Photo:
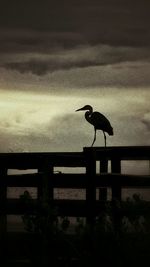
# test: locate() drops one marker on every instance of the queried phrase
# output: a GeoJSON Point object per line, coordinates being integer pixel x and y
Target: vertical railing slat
{"type": "Point", "coordinates": [116, 188]}
{"type": "Point", "coordinates": [45, 187]}
{"type": "Point", "coordinates": [116, 194]}
{"type": "Point", "coordinates": [91, 186]}
{"type": "Point", "coordinates": [103, 169]}
{"type": "Point", "coordinates": [45, 195]}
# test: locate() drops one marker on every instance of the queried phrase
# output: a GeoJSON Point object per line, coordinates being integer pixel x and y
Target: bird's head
{"type": "Point", "coordinates": [86, 107]}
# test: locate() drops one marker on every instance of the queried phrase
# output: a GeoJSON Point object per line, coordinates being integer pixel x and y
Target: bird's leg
{"type": "Point", "coordinates": [94, 137]}
{"type": "Point", "coordinates": [104, 137]}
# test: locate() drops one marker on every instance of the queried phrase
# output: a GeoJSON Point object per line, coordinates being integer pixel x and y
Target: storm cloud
{"type": "Point", "coordinates": [42, 37]}
{"type": "Point", "coordinates": [115, 22]}
{"type": "Point", "coordinates": [79, 57]}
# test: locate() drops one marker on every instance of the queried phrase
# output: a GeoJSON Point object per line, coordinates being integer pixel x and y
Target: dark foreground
{"type": "Point", "coordinates": [85, 248]}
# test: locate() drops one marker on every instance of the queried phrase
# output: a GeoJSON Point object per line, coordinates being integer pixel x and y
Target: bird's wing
{"type": "Point", "coordinates": [99, 121]}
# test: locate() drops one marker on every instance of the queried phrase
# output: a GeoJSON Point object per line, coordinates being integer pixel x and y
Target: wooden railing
{"type": "Point", "coordinates": [46, 179]}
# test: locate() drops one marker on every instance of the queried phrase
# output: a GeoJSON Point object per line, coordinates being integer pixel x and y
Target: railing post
{"type": "Point", "coordinates": [116, 194]}
{"type": "Point", "coordinates": [116, 188]}
{"type": "Point", "coordinates": [90, 188]}
{"type": "Point", "coordinates": [45, 195]}
{"type": "Point", "coordinates": [103, 169]}
{"type": "Point", "coordinates": [45, 187]}
{"type": "Point", "coordinates": [3, 214]}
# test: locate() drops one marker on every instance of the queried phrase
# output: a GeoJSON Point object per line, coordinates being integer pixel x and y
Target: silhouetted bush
{"type": "Point", "coordinates": [102, 244]}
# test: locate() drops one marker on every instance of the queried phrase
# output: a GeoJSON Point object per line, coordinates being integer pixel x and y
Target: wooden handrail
{"type": "Point", "coordinates": [45, 180]}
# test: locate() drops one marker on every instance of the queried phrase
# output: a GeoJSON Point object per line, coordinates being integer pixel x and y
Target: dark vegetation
{"type": "Point", "coordinates": [122, 242]}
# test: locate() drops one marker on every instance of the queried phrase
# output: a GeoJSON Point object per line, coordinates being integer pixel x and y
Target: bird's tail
{"type": "Point", "coordinates": [111, 132]}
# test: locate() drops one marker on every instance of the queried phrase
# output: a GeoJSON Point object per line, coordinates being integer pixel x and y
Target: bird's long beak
{"type": "Point", "coordinates": [79, 109]}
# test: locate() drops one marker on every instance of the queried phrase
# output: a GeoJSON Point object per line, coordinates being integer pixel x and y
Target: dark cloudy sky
{"type": "Point", "coordinates": [56, 56]}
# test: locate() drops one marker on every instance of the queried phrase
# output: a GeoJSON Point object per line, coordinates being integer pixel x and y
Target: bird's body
{"type": "Point", "coordinates": [98, 120]}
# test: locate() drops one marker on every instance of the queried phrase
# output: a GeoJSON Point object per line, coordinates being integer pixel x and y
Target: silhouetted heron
{"type": "Point", "coordinates": [98, 120]}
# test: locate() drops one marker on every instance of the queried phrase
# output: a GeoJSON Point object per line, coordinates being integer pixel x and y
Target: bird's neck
{"type": "Point", "coordinates": [88, 115]}
{"type": "Point", "coordinates": [90, 110]}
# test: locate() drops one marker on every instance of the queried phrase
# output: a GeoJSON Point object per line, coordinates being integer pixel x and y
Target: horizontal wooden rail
{"type": "Point", "coordinates": [36, 160]}
{"type": "Point", "coordinates": [123, 153]}
{"type": "Point", "coordinates": [73, 180]}
{"type": "Point", "coordinates": [29, 160]}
